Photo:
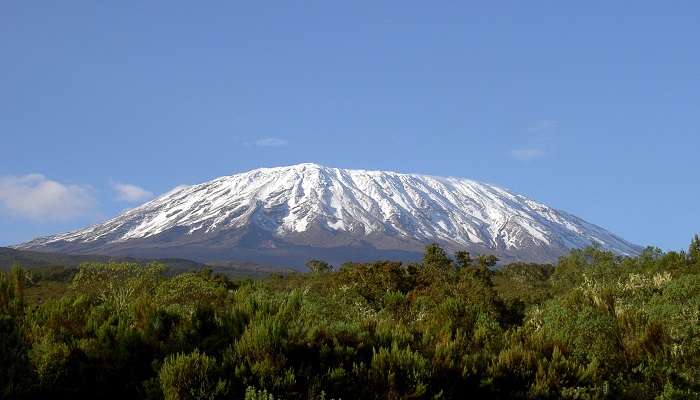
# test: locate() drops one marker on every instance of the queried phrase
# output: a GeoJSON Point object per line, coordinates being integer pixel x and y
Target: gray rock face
{"type": "Point", "coordinates": [287, 215]}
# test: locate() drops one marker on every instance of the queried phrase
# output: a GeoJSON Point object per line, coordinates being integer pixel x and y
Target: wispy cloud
{"type": "Point", "coordinates": [268, 142]}
{"type": "Point", "coordinates": [130, 193]}
{"type": "Point", "coordinates": [544, 125]}
{"type": "Point", "coordinates": [539, 142]}
{"type": "Point", "coordinates": [35, 197]}
{"type": "Point", "coordinates": [527, 153]}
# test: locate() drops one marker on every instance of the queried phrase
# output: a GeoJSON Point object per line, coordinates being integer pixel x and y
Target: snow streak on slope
{"type": "Point", "coordinates": [288, 201]}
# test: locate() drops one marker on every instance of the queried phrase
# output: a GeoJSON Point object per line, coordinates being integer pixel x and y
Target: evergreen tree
{"type": "Point", "coordinates": [463, 259]}
{"type": "Point", "coordinates": [435, 256]}
{"type": "Point", "coordinates": [487, 260]}
{"type": "Point", "coordinates": [12, 291]}
{"type": "Point", "coordinates": [694, 250]}
{"type": "Point", "coordinates": [318, 266]}
{"type": "Point", "coordinates": [18, 277]}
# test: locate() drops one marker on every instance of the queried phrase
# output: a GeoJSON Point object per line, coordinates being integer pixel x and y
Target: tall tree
{"type": "Point", "coordinates": [435, 256]}
{"type": "Point", "coordinates": [487, 260]}
{"type": "Point", "coordinates": [18, 277]}
{"type": "Point", "coordinates": [318, 266]}
{"type": "Point", "coordinates": [694, 250]}
{"type": "Point", "coordinates": [463, 259]}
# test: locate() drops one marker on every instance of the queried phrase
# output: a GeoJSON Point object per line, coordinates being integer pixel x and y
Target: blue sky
{"type": "Point", "coordinates": [590, 107]}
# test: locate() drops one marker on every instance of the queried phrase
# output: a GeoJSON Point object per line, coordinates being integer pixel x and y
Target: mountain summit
{"type": "Point", "coordinates": [287, 215]}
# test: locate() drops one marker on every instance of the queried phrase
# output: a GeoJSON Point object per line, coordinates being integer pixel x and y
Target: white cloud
{"type": "Point", "coordinates": [527, 153]}
{"type": "Point", "coordinates": [130, 193]}
{"type": "Point", "coordinates": [543, 125]}
{"type": "Point", "coordinates": [36, 197]}
{"type": "Point", "coordinates": [269, 142]}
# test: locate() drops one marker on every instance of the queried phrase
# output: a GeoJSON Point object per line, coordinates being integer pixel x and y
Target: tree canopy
{"type": "Point", "coordinates": [594, 325]}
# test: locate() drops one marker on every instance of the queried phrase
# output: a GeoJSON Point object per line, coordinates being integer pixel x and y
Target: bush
{"type": "Point", "coordinates": [191, 376]}
{"type": "Point", "coordinates": [399, 372]}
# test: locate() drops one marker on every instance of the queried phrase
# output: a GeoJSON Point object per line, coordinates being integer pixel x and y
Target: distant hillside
{"type": "Point", "coordinates": [35, 259]}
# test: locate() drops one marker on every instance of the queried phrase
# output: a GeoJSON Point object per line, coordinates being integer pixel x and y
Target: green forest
{"type": "Point", "coordinates": [593, 326]}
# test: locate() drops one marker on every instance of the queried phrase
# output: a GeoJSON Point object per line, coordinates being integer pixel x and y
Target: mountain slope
{"type": "Point", "coordinates": [34, 259]}
{"type": "Point", "coordinates": [288, 214]}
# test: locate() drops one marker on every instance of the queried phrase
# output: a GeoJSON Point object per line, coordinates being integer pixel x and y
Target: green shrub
{"type": "Point", "coordinates": [191, 376]}
{"type": "Point", "coordinates": [253, 394]}
{"type": "Point", "coordinates": [399, 372]}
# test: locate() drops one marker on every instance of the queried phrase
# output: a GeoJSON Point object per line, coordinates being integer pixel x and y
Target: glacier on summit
{"type": "Point", "coordinates": [307, 210]}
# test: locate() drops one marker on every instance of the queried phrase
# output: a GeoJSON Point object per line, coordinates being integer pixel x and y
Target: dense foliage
{"type": "Point", "coordinates": [594, 326]}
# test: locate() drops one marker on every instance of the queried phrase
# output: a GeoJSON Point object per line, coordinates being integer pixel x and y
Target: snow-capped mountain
{"type": "Point", "coordinates": [286, 215]}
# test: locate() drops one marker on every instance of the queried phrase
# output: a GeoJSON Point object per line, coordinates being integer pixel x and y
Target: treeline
{"type": "Point", "coordinates": [594, 326]}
